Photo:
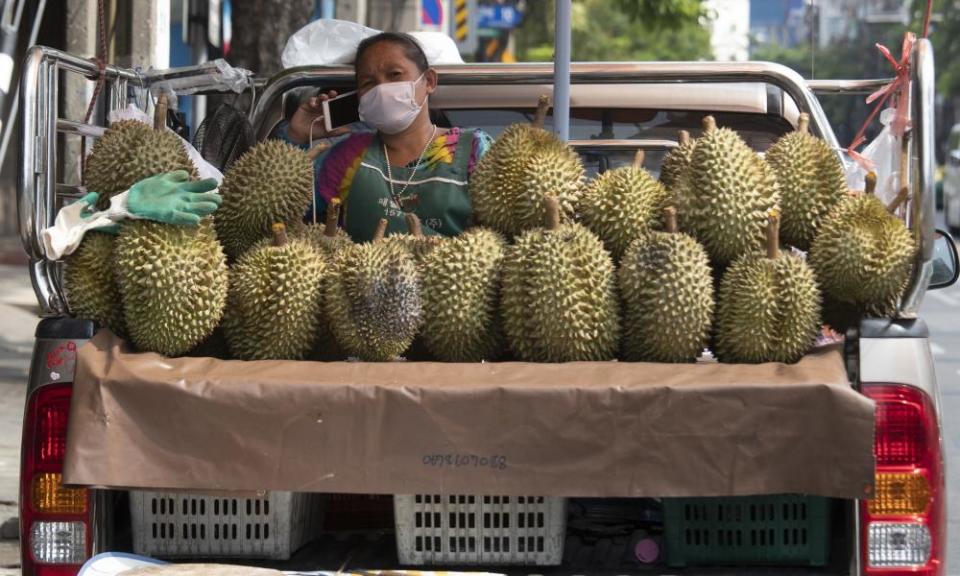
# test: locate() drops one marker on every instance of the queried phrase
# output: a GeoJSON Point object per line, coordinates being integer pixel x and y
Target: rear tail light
{"type": "Point", "coordinates": [55, 520]}
{"type": "Point", "coordinates": [903, 526]}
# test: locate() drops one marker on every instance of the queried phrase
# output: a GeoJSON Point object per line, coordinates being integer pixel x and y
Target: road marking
{"type": "Point", "coordinates": [946, 299]}
{"type": "Point", "coordinates": [936, 349]}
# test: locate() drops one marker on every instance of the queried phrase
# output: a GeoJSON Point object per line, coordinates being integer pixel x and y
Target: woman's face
{"type": "Point", "coordinates": [386, 62]}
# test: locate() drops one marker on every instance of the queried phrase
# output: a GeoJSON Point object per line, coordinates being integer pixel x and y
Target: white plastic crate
{"type": "Point", "coordinates": [184, 525]}
{"type": "Point", "coordinates": [488, 530]}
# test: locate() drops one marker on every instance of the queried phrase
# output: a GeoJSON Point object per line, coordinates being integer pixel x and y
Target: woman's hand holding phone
{"type": "Point", "coordinates": [308, 118]}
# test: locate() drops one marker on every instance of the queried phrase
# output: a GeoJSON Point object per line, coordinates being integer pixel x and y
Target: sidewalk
{"type": "Point", "coordinates": [18, 318]}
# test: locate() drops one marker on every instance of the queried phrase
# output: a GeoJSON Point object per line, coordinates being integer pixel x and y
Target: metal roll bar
{"type": "Point", "coordinates": [920, 216]}
{"type": "Point", "coordinates": [582, 73]}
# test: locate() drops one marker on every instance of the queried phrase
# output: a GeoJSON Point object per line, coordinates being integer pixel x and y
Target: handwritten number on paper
{"type": "Point", "coordinates": [495, 462]}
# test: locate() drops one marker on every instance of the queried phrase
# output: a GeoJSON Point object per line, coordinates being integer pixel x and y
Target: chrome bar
{"type": "Point", "coordinates": [79, 128]}
{"type": "Point", "coordinates": [847, 86]}
{"type": "Point", "coordinates": [30, 80]}
{"type": "Point", "coordinates": [920, 217]}
{"type": "Point", "coordinates": [626, 144]}
{"type": "Point", "coordinates": [581, 73]}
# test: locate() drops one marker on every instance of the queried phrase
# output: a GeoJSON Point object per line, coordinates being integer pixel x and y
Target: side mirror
{"type": "Point", "coordinates": [946, 263]}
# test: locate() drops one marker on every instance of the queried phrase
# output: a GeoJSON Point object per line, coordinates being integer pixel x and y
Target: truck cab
{"type": "Point", "coordinates": [616, 109]}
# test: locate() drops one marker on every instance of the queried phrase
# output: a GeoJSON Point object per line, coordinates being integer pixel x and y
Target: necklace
{"type": "Point", "coordinates": [386, 155]}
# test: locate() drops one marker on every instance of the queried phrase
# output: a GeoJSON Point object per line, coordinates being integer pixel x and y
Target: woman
{"type": "Point", "coordinates": [409, 164]}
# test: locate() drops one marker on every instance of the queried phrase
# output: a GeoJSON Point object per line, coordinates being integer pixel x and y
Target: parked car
{"type": "Point", "coordinates": [951, 182]}
{"type": "Point", "coordinates": [616, 109]}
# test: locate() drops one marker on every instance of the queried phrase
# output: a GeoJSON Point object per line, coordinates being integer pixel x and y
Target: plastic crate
{"type": "Point", "coordinates": [774, 530]}
{"type": "Point", "coordinates": [488, 530]}
{"type": "Point", "coordinates": [183, 525]}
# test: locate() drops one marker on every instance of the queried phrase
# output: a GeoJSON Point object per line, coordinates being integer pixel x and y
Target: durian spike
{"type": "Point", "coordinates": [552, 205]}
{"type": "Point", "coordinates": [709, 123]}
{"type": "Point", "coordinates": [803, 124]}
{"type": "Point", "coordinates": [160, 113]}
{"type": "Point", "coordinates": [317, 150]}
{"type": "Point", "coordinates": [870, 183]}
{"type": "Point", "coordinates": [773, 235]}
{"type": "Point", "coordinates": [543, 104]}
{"type": "Point", "coordinates": [901, 197]}
{"type": "Point", "coordinates": [683, 137]}
{"type": "Point", "coordinates": [330, 226]}
{"type": "Point", "coordinates": [670, 219]}
{"type": "Point", "coordinates": [413, 223]}
{"type": "Point", "coordinates": [638, 158]}
{"type": "Point", "coordinates": [381, 230]}
{"type": "Point", "coordinates": [279, 233]}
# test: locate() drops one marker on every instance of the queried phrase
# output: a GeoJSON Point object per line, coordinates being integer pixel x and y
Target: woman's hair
{"type": "Point", "coordinates": [411, 49]}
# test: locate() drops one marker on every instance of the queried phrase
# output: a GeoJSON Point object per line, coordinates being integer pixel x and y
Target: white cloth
{"type": "Point", "coordinates": [70, 226]}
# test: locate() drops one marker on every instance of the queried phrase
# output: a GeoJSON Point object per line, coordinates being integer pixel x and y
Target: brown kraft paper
{"type": "Point", "coordinates": [603, 429]}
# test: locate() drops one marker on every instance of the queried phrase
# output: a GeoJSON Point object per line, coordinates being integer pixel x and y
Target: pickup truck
{"type": "Point", "coordinates": [616, 108]}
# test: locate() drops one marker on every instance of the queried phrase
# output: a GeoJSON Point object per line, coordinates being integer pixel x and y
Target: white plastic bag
{"type": "Point", "coordinates": [884, 152]}
{"type": "Point", "coordinates": [325, 42]}
{"type": "Point", "coordinates": [438, 48]}
{"type": "Point", "coordinates": [334, 43]}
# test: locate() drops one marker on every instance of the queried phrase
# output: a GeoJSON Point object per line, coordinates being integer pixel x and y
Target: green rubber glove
{"type": "Point", "coordinates": [173, 199]}
{"type": "Point", "coordinates": [90, 199]}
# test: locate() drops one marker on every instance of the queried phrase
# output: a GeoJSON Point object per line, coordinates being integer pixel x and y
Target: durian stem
{"type": "Point", "coordinates": [279, 234]}
{"type": "Point", "coordinates": [670, 219]}
{"type": "Point", "coordinates": [160, 113]}
{"type": "Point", "coordinates": [683, 137]}
{"type": "Point", "coordinates": [901, 197]}
{"type": "Point", "coordinates": [552, 205]}
{"type": "Point", "coordinates": [333, 217]}
{"type": "Point", "coordinates": [638, 158]}
{"type": "Point", "coordinates": [381, 230]}
{"type": "Point", "coordinates": [543, 104]}
{"type": "Point", "coordinates": [709, 123]}
{"type": "Point", "coordinates": [803, 124]}
{"type": "Point", "coordinates": [773, 237]}
{"type": "Point", "coordinates": [317, 150]}
{"type": "Point", "coordinates": [905, 160]}
{"type": "Point", "coordinates": [413, 223]}
{"type": "Point", "coordinates": [870, 183]}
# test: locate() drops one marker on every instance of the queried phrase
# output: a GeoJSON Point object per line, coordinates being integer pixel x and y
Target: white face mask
{"type": "Point", "coordinates": [391, 107]}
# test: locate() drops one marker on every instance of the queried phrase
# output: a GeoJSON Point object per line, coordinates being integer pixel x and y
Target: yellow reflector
{"type": "Point", "coordinates": [51, 497]}
{"type": "Point", "coordinates": [900, 494]}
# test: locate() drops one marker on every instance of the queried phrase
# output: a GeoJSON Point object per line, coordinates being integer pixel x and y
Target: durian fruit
{"type": "Point", "coordinates": [373, 300]}
{"type": "Point", "coordinates": [732, 191]}
{"type": "Point", "coordinates": [130, 151]}
{"type": "Point", "coordinates": [667, 290]}
{"type": "Point", "coordinates": [559, 299]}
{"type": "Point", "coordinates": [89, 283]}
{"type": "Point", "coordinates": [273, 309]}
{"type": "Point", "coordinates": [768, 309]}
{"type": "Point", "coordinates": [675, 175]}
{"type": "Point", "coordinates": [812, 180]}
{"type": "Point", "coordinates": [419, 244]}
{"type": "Point", "coordinates": [622, 204]}
{"type": "Point", "coordinates": [863, 253]}
{"type": "Point", "coordinates": [841, 316]}
{"type": "Point", "coordinates": [272, 182]}
{"type": "Point", "coordinates": [329, 238]}
{"type": "Point", "coordinates": [676, 164]}
{"type": "Point", "coordinates": [461, 295]}
{"type": "Point", "coordinates": [525, 165]}
{"type": "Point", "coordinates": [173, 283]}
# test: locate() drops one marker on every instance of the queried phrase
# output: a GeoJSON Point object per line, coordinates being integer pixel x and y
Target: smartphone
{"type": "Point", "coordinates": [341, 111]}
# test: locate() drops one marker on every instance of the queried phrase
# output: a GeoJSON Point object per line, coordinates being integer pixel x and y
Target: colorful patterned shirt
{"type": "Point", "coordinates": [336, 169]}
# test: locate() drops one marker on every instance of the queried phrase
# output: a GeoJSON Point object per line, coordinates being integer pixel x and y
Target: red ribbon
{"type": "Point", "coordinates": [897, 89]}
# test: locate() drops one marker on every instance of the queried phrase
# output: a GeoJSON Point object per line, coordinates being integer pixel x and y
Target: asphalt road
{"type": "Point", "coordinates": [941, 310]}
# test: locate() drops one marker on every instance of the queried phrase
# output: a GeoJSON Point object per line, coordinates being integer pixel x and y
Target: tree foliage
{"type": "Point", "coordinates": [620, 30]}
